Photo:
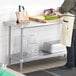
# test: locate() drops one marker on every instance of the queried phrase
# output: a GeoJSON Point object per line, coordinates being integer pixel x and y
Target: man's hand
{"type": "Point", "coordinates": [57, 12]}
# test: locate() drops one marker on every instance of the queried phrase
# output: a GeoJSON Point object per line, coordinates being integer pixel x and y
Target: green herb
{"type": "Point", "coordinates": [50, 17]}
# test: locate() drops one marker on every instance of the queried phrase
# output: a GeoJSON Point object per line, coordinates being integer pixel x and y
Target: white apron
{"type": "Point", "coordinates": [67, 29]}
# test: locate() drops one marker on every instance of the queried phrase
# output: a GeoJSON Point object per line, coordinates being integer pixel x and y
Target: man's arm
{"type": "Point", "coordinates": [66, 6]}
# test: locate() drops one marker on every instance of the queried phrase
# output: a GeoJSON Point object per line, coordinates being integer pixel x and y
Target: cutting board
{"type": "Point", "coordinates": [41, 19]}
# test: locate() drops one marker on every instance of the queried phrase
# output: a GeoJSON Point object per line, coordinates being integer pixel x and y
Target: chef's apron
{"type": "Point", "coordinates": [67, 29]}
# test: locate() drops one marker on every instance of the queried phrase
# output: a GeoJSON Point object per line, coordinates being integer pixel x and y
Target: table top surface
{"type": "Point", "coordinates": [29, 24]}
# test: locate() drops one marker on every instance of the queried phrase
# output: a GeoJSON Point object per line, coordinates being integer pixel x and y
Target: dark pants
{"type": "Point", "coordinates": [71, 51]}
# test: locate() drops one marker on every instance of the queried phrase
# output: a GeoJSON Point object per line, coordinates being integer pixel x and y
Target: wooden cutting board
{"type": "Point", "coordinates": [41, 19]}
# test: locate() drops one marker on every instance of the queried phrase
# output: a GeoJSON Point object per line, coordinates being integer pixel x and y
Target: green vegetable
{"type": "Point", "coordinates": [50, 17]}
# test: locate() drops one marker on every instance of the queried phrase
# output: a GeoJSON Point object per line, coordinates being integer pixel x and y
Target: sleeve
{"type": "Point", "coordinates": [66, 6]}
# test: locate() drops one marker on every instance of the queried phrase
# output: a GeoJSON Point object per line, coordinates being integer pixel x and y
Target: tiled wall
{"type": "Point", "coordinates": [7, 12]}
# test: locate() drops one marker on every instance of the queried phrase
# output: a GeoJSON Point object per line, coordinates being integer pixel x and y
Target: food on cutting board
{"type": "Point", "coordinates": [49, 14]}
{"type": "Point", "coordinates": [50, 17]}
{"type": "Point", "coordinates": [48, 11]}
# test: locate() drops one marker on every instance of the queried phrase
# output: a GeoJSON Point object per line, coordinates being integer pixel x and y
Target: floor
{"type": "Point", "coordinates": [40, 64]}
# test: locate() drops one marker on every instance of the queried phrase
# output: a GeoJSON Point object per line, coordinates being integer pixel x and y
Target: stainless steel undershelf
{"type": "Point", "coordinates": [15, 58]}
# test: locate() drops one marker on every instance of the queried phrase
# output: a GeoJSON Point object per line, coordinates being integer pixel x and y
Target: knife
{"type": "Point", "coordinates": [19, 8]}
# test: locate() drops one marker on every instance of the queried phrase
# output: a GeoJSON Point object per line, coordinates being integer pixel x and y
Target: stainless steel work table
{"type": "Point", "coordinates": [31, 24]}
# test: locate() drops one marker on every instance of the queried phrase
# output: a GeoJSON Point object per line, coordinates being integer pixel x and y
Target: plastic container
{"type": "Point", "coordinates": [4, 72]}
{"type": "Point", "coordinates": [32, 45]}
{"type": "Point", "coordinates": [2, 68]}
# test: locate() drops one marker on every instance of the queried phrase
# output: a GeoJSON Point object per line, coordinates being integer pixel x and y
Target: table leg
{"type": "Point", "coordinates": [9, 45]}
{"type": "Point", "coordinates": [21, 54]}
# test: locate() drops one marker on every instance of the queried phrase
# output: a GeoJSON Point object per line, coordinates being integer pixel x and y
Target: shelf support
{"type": "Point", "coordinates": [9, 45]}
{"type": "Point", "coordinates": [21, 54]}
